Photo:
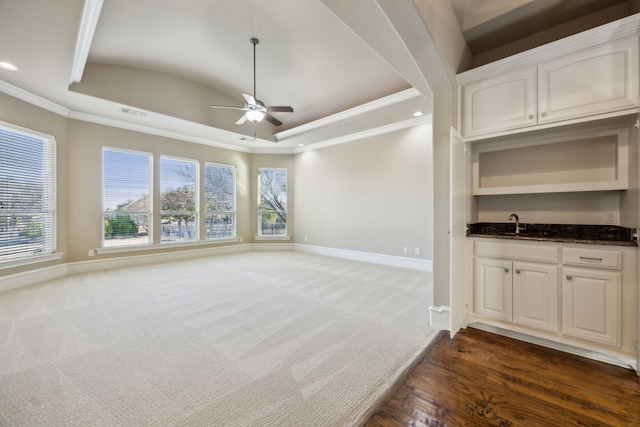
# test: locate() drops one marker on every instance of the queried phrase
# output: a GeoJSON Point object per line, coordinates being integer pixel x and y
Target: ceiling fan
{"type": "Point", "coordinates": [254, 109]}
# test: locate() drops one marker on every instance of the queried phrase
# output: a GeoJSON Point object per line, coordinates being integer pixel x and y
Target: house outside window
{"type": "Point", "coordinates": [178, 200]}
{"type": "Point", "coordinates": [272, 206]}
{"type": "Point", "coordinates": [126, 198]}
{"type": "Point", "coordinates": [27, 193]}
{"type": "Point", "coordinates": [219, 201]}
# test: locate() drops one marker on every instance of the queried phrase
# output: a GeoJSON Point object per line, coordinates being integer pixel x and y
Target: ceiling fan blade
{"type": "Point", "coordinates": [272, 120]}
{"type": "Point", "coordinates": [242, 119]}
{"type": "Point", "coordinates": [280, 109]}
{"type": "Point", "coordinates": [250, 99]}
{"type": "Point", "coordinates": [226, 106]}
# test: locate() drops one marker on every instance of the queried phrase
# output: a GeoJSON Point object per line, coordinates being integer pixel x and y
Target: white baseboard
{"type": "Point", "coordinates": [31, 277]}
{"type": "Point", "coordinates": [440, 317]}
{"type": "Point", "coordinates": [390, 260]}
{"type": "Point", "coordinates": [26, 278]}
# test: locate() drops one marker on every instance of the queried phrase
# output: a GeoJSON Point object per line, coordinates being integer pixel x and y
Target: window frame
{"type": "Point", "coordinates": [195, 212]}
{"type": "Point", "coordinates": [150, 203]}
{"type": "Point", "coordinates": [232, 212]}
{"type": "Point", "coordinates": [260, 233]}
{"type": "Point", "coordinates": [49, 208]}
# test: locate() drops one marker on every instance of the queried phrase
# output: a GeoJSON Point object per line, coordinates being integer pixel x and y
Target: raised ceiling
{"type": "Point", "coordinates": [168, 61]}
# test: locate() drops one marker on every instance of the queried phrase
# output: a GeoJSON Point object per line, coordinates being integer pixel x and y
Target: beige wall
{"type": "Point", "coordinates": [373, 195]}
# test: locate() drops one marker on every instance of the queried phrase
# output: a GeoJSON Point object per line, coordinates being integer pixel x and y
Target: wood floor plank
{"type": "Point", "coordinates": [483, 379]}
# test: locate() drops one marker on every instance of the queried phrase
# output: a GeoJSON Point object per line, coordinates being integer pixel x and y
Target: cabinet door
{"type": "Point", "coordinates": [493, 288]}
{"type": "Point", "coordinates": [500, 103]}
{"type": "Point", "coordinates": [592, 81]}
{"type": "Point", "coordinates": [535, 295]}
{"type": "Point", "coordinates": [591, 304]}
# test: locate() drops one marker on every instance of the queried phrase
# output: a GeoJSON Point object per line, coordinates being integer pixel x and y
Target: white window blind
{"type": "Point", "coordinates": [27, 194]}
{"type": "Point", "coordinates": [219, 200]}
{"type": "Point", "coordinates": [126, 198]}
{"type": "Point", "coordinates": [272, 209]}
{"type": "Point", "coordinates": [178, 200]}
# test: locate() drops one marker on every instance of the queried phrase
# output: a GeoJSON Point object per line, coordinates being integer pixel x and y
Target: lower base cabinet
{"type": "Point", "coordinates": [591, 301]}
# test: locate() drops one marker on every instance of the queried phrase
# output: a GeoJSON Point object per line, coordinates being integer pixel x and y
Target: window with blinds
{"type": "Point", "coordinates": [178, 200]}
{"type": "Point", "coordinates": [27, 193]}
{"type": "Point", "coordinates": [272, 210]}
{"type": "Point", "coordinates": [126, 198]}
{"type": "Point", "coordinates": [219, 200]}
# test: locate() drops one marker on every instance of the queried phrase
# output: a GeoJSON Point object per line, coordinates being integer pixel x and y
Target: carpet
{"type": "Point", "coordinates": [250, 339]}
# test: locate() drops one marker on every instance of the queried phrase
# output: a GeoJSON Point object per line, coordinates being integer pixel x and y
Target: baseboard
{"type": "Point", "coordinates": [390, 260]}
{"type": "Point", "coordinates": [26, 278]}
{"type": "Point", "coordinates": [610, 357]}
{"type": "Point", "coordinates": [440, 317]}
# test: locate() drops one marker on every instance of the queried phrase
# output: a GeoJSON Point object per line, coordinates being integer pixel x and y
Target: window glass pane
{"type": "Point", "coordinates": [27, 194]}
{"type": "Point", "coordinates": [272, 213]}
{"type": "Point", "coordinates": [219, 182]}
{"type": "Point", "coordinates": [178, 200]}
{"type": "Point", "coordinates": [126, 201]}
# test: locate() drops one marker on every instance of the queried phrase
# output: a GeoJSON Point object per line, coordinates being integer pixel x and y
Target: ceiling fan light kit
{"type": "Point", "coordinates": [255, 110]}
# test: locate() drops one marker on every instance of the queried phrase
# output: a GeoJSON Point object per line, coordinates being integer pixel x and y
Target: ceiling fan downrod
{"type": "Point", "coordinates": [254, 41]}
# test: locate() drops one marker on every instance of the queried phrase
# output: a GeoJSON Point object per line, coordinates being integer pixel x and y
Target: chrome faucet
{"type": "Point", "coordinates": [518, 227]}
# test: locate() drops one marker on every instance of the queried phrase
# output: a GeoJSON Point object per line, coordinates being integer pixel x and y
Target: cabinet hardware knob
{"type": "Point", "coordinates": [530, 116]}
{"type": "Point", "coordinates": [544, 114]}
{"type": "Point", "coordinates": [517, 271]}
{"type": "Point", "coordinates": [569, 277]}
{"type": "Point", "coordinates": [506, 270]}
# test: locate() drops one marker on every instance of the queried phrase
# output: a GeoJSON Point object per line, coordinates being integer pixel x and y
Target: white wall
{"type": "Point", "coordinates": [373, 195]}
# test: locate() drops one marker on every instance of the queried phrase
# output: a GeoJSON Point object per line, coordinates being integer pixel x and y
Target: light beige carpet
{"type": "Point", "coordinates": [252, 339]}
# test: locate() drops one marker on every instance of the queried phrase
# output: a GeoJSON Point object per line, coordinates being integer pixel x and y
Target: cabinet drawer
{"type": "Point", "coordinates": [517, 252]}
{"type": "Point", "coordinates": [592, 258]}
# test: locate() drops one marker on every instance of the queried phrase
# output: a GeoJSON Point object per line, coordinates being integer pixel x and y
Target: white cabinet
{"type": "Point", "coordinates": [500, 103]}
{"type": "Point", "coordinates": [589, 82]}
{"type": "Point", "coordinates": [592, 297]}
{"type": "Point", "coordinates": [585, 84]}
{"type": "Point", "coordinates": [535, 295]}
{"type": "Point", "coordinates": [508, 289]}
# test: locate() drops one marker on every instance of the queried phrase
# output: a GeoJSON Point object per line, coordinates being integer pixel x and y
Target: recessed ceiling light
{"type": "Point", "coordinates": [8, 66]}
{"type": "Point", "coordinates": [418, 114]}
{"type": "Point", "coordinates": [300, 145]}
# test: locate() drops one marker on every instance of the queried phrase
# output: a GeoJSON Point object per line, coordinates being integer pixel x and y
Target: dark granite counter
{"type": "Point", "coordinates": [567, 233]}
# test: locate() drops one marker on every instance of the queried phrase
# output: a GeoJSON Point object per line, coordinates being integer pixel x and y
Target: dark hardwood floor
{"type": "Point", "coordinates": [484, 379]}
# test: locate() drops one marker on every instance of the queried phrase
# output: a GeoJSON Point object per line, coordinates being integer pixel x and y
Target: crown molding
{"type": "Point", "coordinates": [33, 99]}
{"type": "Point", "coordinates": [352, 112]}
{"type": "Point", "coordinates": [88, 23]}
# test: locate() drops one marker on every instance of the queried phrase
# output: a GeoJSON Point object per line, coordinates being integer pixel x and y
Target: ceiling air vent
{"type": "Point", "coordinates": [133, 112]}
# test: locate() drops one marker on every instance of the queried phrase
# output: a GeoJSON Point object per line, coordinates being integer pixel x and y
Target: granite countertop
{"type": "Point", "coordinates": [567, 233]}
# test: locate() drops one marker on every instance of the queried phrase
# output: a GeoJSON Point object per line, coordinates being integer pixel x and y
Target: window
{"type": "Point", "coordinates": [27, 193]}
{"type": "Point", "coordinates": [178, 200]}
{"type": "Point", "coordinates": [272, 210]}
{"type": "Point", "coordinates": [219, 200]}
{"type": "Point", "coordinates": [126, 198]}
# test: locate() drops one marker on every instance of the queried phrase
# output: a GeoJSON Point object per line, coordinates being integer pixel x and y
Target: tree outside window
{"type": "Point", "coordinates": [178, 200]}
{"type": "Point", "coordinates": [272, 210]}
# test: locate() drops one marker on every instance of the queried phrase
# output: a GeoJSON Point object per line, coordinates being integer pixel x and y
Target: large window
{"type": "Point", "coordinates": [272, 209]}
{"type": "Point", "coordinates": [219, 199]}
{"type": "Point", "coordinates": [27, 193]}
{"type": "Point", "coordinates": [126, 198]}
{"type": "Point", "coordinates": [178, 200]}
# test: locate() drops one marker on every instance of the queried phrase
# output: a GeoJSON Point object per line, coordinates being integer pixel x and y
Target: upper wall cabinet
{"type": "Point", "coordinates": [592, 83]}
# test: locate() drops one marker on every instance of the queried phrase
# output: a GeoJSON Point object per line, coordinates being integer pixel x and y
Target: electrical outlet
{"type": "Point", "coordinates": [92, 252]}
{"type": "Point", "coordinates": [611, 218]}
{"type": "Point", "coordinates": [405, 250]}
{"type": "Point", "coordinates": [417, 251]}
{"type": "Point", "coordinates": [305, 239]}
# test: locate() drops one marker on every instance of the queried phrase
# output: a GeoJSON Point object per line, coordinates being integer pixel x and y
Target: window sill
{"type": "Point", "coordinates": [140, 248]}
{"type": "Point", "coordinates": [272, 237]}
{"type": "Point", "coordinates": [31, 260]}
